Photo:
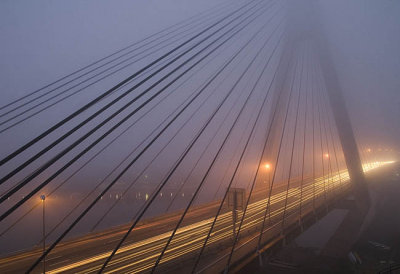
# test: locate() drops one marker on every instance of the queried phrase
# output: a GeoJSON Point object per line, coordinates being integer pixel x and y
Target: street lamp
{"type": "Point", "coordinates": [326, 155]}
{"type": "Point", "coordinates": [268, 168]}
{"type": "Point", "coordinates": [43, 198]}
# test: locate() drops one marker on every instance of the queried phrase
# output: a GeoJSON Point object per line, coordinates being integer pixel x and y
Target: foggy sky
{"type": "Point", "coordinates": [44, 40]}
{"type": "Point", "coordinates": [365, 41]}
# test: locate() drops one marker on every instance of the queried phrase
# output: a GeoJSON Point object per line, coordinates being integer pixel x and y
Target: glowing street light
{"type": "Point", "coordinates": [326, 155]}
{"type": "Point", "coordinates": [369, 150]}
{"type": "Point", "coordinates": [43, 198]}
{"type": "Point", "coordinates": [268, 168]}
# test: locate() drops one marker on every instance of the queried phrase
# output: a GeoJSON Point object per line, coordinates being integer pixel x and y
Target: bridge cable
{"type": "Point", "coordinates": [173, 38]}
{"type": "Point", "coordinates": [330, 118]}
{"type": "Point", "coordinates": [207, 238]}
{"type": "Point", "coordinates": [268, 205]}
{"type": "Point", "coordinates": [161, 185]}
{"type": "Point", "coordinates": [66, 150]}
{"type": "Point", "coordinates": [313, 110]}
{"type": "Point", "coordinates": [223, 145]}
{"type": "Point", "coordinates": [105, 147]}
{"type": "Point", "coordinates": [209, 143]}
{"type": "Point", "coordinates": [176, 133]}
{"type": "Point", "coordinates": [194, 166]}
{"type": "Point", "coordinates": [323, 96]}
{"type": "Point", "coordinates": [267, 133]}
{"type": "Point", "coordinates": [101, 110]}
{"type": "Point", "coordinates": [110, 185]}
{"type": "Point", "coordinates": [304, 136]}
{"type": "Point", "coordinates": [186, 21]}
{"type": "Point", "coordinates": [321, 143]}
{"type": "Point", "coordinates": [332, 190]}
{"type": "Point", "coordinates": [103, 95]}
{"type": "Point", "coordinates": [293, 143]}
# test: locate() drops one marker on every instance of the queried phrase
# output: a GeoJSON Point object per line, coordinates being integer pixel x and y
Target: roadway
{"type": "Point", "coordinates": [87, 254]}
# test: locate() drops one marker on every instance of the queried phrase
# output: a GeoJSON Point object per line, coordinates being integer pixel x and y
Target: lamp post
{"type": "Point", "coordinates": [268, 168]}
{"type": "Point", "coordinates": [43, 198]}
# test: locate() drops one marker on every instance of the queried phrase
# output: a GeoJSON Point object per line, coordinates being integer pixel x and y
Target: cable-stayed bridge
{"type": "Point", "coordinates": [192, 150]}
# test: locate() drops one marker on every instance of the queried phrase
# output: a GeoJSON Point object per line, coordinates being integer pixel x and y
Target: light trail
{"type": "Point", "coordinates": [140, 256]}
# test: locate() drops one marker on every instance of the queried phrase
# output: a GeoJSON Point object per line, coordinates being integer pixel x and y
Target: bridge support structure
{"type": "Point", "coordinates": [341, 242]}
{"type": "Point", "coordinates": [304, 24]}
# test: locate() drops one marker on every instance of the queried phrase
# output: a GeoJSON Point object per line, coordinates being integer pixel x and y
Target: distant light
{"type": "Point", "coordinates": [326, 155]}
{"type": "Point", "coordinates": [42, 197]}
{"type": "Point", "coordinates": [369, 150]}
{"type": "Point", "coordinates": [267, 166]}
{"type": "Point", "coordinates": [147, 196]}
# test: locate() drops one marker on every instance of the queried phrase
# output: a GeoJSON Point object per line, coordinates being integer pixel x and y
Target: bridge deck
{"type": "Point", "coordinates": [86, 254]}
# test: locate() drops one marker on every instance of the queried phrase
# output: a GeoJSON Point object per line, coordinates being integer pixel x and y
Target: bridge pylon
{"type": "Point", "coordinates": [308, 23]}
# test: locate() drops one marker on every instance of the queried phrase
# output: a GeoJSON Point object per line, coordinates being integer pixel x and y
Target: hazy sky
{"type": "Point", "coordinates": [365, 39]}
{"type": "Point", "coordinates": [43, 40]}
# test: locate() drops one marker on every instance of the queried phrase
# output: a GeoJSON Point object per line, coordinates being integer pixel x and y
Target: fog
{"type": "Point", "coordinates": [42, 41]}
{"type": "Point", "coordinates": [364, 41]}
